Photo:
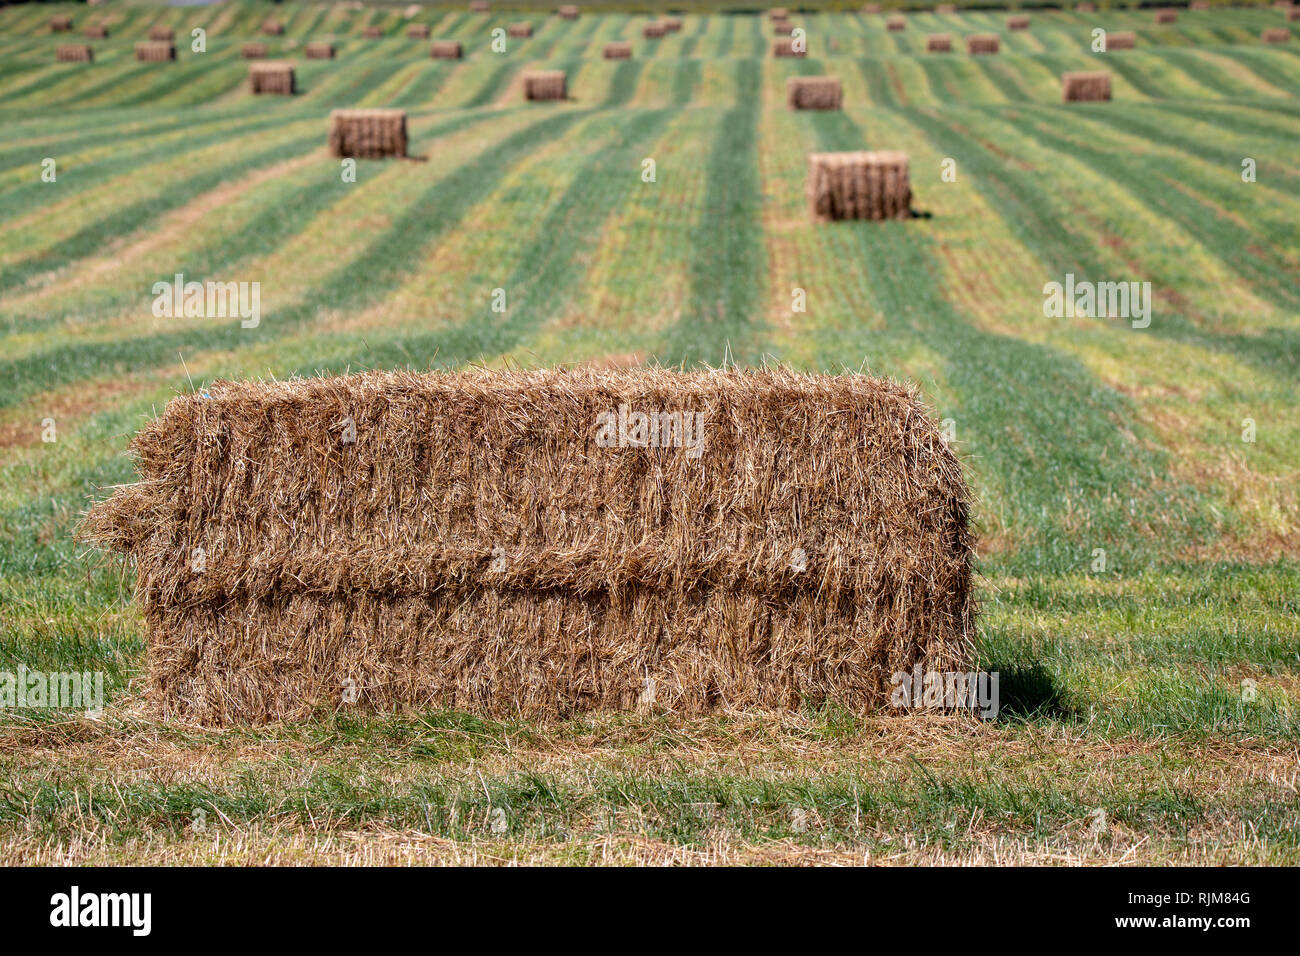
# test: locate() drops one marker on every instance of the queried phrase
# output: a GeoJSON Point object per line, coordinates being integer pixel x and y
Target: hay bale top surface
{"type": "Point", "coordinates": [270, 66]}
{"type": "Point", "coordinates": [877, 157]}
{"type": "Point", "coordinates": [370, 113]}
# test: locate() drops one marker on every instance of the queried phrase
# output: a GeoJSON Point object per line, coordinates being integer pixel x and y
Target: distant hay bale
{"type": "Point", "coordinates": [276, 78]}
{"type": "Point", "coordinates": [1166, 15]}
{"type": "Point", "coordinates": [779, 13]}
{"type": "Point", "coordinates": [154, 52]}
{"type": "Point", "coordinates": [417, 31]}
{"type": "Point", "coordinates": [1018, 22]}
{"type": "Point", "coordinates": [520, 30]}
{"type": "Point", "coordinates": [983, 43]}
{"type": "Point", "coordinates": [782, 28]}
{"type": "Point", "coordinates": [253, 51]}
{"type": "Point", "coordinates": [1198, 5]}
{"type": "Point", "coordinates": [1292, 13]}
{"type": "Point", "coordinates": [445, 50]}
{"type": "Point", "coordinates": [872, 8]}
{"type": "Point", "coordinates": [1276, 35]}
{"type": "Point", "coordinates": [272, 27]}
{"type": "Point", "coordinates": [368, 134]}
{"type": "Point", "coordinates": [784, 46]}
{"type": "Point", "coordinates": [372, 33]}
{"type": "Point", "coordinates": [540, 544]}
{"type": "Point", "coordinates": [653, 31]}
{"type": "Point", "coordinates": [618, 50]}
{"type": "Point", "coordinates": [479, 6]}
{"type": "Point", "coordinates": [938, 43]}
{"type": "Point", "coordinates": [74, 53]}
{"type": "Point", "coordinates": [946, 8]}
{"type": "Point", "coordinates": [896, 23]}
{"type": "Point", "coordinates": [162, 34]}
{"type": "Point", "coordinates": [859, 185]}
{"type": "Point", "coordinates": [569, 12]}
{"type": "Point", "coordinates": [319, 50]}
{"type": "Point", "coordinates": [1125, 40]}
{"type": "Point", "coordinates": [545, 85]}
{"type": "Point", "coordinates": [814, 93]}
{"type": "Point", "coordinates": [1085, 86]}
{"type": "Point", "coordinates": [1085, 8]}
{"type": "Point", "coordinates": [672, 25]}
{"type": "Point", "coordinates": [60, 24]}
{"type": "Point", "coordinates": [96, 31]}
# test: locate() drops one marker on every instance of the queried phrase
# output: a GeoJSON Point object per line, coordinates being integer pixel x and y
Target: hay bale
{"type": "Point", "coordinates": [1125, 40]}
{"type": "Point", "coordinates": [1018, 22]}
{"type": "Point", "coordinates": [372, 33]}
{"type": "Point", "coordinates": [96, 31]}
{"type": "Point", "coordinates": [61, 23]}
{"type": "Point", "coordinates": [162, 34]}
{"type": "Point", "coordinates": [272, 27]}
{"type": "Point", "coordinates": [417, 31]}
{"type": "Point", "coordinates": [545, 85]}
{"type": "Point", "coordinates": [1166, 15]}
{"type": "Point", "coordinates": [445, 50]}
{"type": "Point", "coordinates": [479, 6]}
{"type": "Point", "coordinates": [784, 46]}
{"type": "Point", "coordinates": [946, 8]}
{"type": "Point", "coordinates": [1292, 13]}
{"type": "Point", "coordinates": [1276, 35]}
{"type": "Point", "coordinates": [154, 52]}
{"type": "Point", "coordinates": [272, 77]}
{"type": "Point", "coordinates": [782, 28]}
{"type": "Point", "coordinates": [618, 50]}
{"type": "Point", "coordinates": [1085, 8]}
{"type": "Point", "coordinates": [872, 8]}
{"type": "Point", "coordinates": [520, 30]}
{"type": "Point", "coordinates": [568, 12]}
{"type": "Point", "coordinates": [253, 51]}
{"type": "Point", "coordinates": [319, 50]}
{"type": "Point", "coordinates": [859, 185]}
{"type": "Point", "coordinates": [983, 43]}
{"type": "Point", "coordinates": [896, 23]}
{"type": "Point", "coordinates": [1198, 5]}
{"type": "Point", "coordinates": [653, 31]}
{"type": "Point", "coordinates": [779, 13]}
{"type": "Point", "coordinates": [672, 25]}
{"type": "Point", "coordinates": [1085, 86]}
{"type": "Point", "coordinates": [938, 43]}
{"type": "Point", "coordinates": [368, 134]}
{"type": "Point", "coordinates": [814, 93]}
{"type": "Point", "coordinates": [504, 543]}
{"type": "Point", "coordinates": [74, 53]}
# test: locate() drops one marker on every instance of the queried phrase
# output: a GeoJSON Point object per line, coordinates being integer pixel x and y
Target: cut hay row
{"type": "Point", "coordinates": [1091, 86]}
{"type": "Point", "coordinates": [368, 134]}
{"type": "Point", "coordinates": [544, 85]}
{"type": "Point", "coordinates": [153, 52]}
{"type": "Point", "coordinates": [445, 50]}
{"type": "Point", "coordinates": [814, 93]}
{"type": "Point", "coordinates": [543, 543]}
{"type": "Point", "coordinates": [73, 53]}
{"type": "Point", "coordinates": [859, 185]}
{"type": "Point", "coordinates": [275, 78]}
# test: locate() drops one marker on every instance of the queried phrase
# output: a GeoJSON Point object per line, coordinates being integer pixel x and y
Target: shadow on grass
{"type": "Point", "coordinates": [1029, 691]}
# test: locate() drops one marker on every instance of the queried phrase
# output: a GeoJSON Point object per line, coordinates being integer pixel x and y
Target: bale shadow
{"type": "Point", "coordinates": [1029, 691]}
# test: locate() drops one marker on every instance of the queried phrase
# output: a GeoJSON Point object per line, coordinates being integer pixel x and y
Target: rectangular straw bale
{"type": "Point", "coordinates": [784, 46]}
{"type": "Point", "coordinates": [162, 34]}
{"type": "Point", "coordinates": [1198, 5]}
{"type": "Point", "coordinates": [779, 13]}
{"type": "Point", "coordinates": [372, 33]}
{"type": "Point", "coordinates": [672, 25]}
{"type": "Point", "coordinates": [368, 134]}
{"type": "Point", "coordinates": [871, 8]}
{"type": "Point", "coordinates": [569, 12]}
{"type": "Point", "coordinates": [74, 53]}
{"type": "Point", "coordinates": [653, 31]}
{"type": "Point", "coordinates": [896, 23]}
{"type": "Point", "coordinates": [983, 43]}
{"type": "Point", "coordinates": [540, 544]}
{"type": "Point", "coordinates": [521, 30]}
{"type": "Point", "coordinates": [62, 23]}
{"type": "Point", "coordinates": [417, 31]}
{"type": "Point", "coordinates": [479, 6]}
{"type": "Point", "coordinates": [1276, 35]}
{"type": "Point", "coordinates": [946, 8]}
{"type": "Point", "coordinates": [1122, 40]}
{"type": "Point", "coordinates": [96, 31]}
{"type": "Point", "coordinates": [253, 51]}
{"type": "Point", "coordinates": [618, 50]}
{"type": "Point", "coordinates": [1018, 22]}
{"type": "Point", "coordinates": [814, 93]}
{"type": "Point", "coordinates": [1166, 15]}
{"type": "Point", "coordinates": [859, 185]}
{"type": "Point", "coordinates": [272, 27]}
{"type": "Point", "coordinates": [782, 28]}
{"type": "Point", "coordinates": [272, 77]}
{"type": "Point", "coordinates": [1085, 8]}
{"type": "Point", "coordinates": [319, 50]}
{"type": "Point", "coordinates": [544, 85]}
{"type": "Point", "coordinates": [1085, 86]}
{"type": "Point", "coordinates": [938, 43]}
{"type": "Point", "coordinates": [445, 50]}
{"type": "Point", "coordinates": [152, 52]}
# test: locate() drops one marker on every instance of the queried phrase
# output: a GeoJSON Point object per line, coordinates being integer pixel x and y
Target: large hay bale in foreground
{"type": "Point", "coordinates": [277, 78]}
{"type": "Point", "coordinates": [895, 24]}
{"type": "Point", "coordinates": [319, 50]}
{"type": "Point", "coordinates": [1085, 86]}
{"type": "Point", "coordinates": [1123, 40]}
{"type": "Point", "coordinates": [983, 43]}
{"type": "Point", "coordinates": [60, 23]}
{"type": "Point", "coordinates": [653, 31]}
{"type": "Point", "coordinates": [1166, 15]}
{"type": "Point", "coordinates": [784, 46]}
{"type": "Point", "coordinates": [152, 52]}
{"type": "Point", "coordinates": [417, 31]}
{"type": "Point", "coordinates": [938, 43]}
{"type": "Point", "coordinates": [74, 53]}
{"type": "Point", "coordinates": [1276, 35]}
{"type": "Point", "coordinates": [272, 27]}
{"type": "Point", "coordinates": [814, 93]}
{"type": "Point", "coordinates": [541, 544]}
{"type": "Point", "coordinates": [96, 31]}
{"type": "Point", "coordinates": [859, 185]}
{"type": "Point", "coordinates": [544, 85]}
{"type": "Point", "coordinates": [520, 30]}
{"type": "Point", "coordinates": [569, 12]}
{"type": "Point", "coordinates": [1018, 22]}
{"type": "Point", "coordinates": [162, 34]}
{"type": "Point", "coordinates": [368, 134]}
{"type": "Point", "coordinates": [445, 50]}
{"type": "Point", "coordinates": [618, 50]}
{"type": "Point", "coordinates": [253, 51]}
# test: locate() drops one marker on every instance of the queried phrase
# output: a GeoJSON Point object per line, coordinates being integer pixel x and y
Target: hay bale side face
{"type": "Point", "coordinates": [74, 53]}
{"type": "Point", "coordinates": [1166, 15]}
{"type": "Point", "coordinates": [274, 78]}
{"type": "Point", "coordinates": [1276, 35]}
{"type": "Point", "coordinates": [319, 51]}
{"type": "Point", "coordinates": [162, 34]}
{"type": "Point", "coordinates": [938, 43]}
{"type": "Point", "coordinates": [520, 30]}
{"type": "Point", "coordinates": [368, 134]}
{"type": "Point", "coordinates": [417, 31]}
{"type": "Point", "coordinates": [983, 43]}
{"type": "Point", "coordinates": [784, 46]}
{"type": "Point", "coordinates": [60, 24]}
{"type": "Point", "coordinates": [153, 52]}
{"type": "Point", "coordinates": [814, 93]}
{"type": "Point", "coordinates": [653, 31]}
{"type": "Point", "coordinates": [1121, 41]}
{"type": "Point", "coordinates": [445, 50]}
{"type": "Point", "coordinates": [1018, 23]}
{"type": "Point", "coordinates": [253, 51]}
{"type": "Point", "coordinates": [618, 50]}
{"type": "Point", "coordinates": [1090, 86]}
{"type": "Point", "coordinates": [545, 85]}
{"type": "Point", "coordinates": [481, 546]}
{"type": "Point", "coordinates": [859, 185]}
{"type": "Point", "coordinates": [96, 32]}
{"type": "Point", "coordinates": [896, 24]}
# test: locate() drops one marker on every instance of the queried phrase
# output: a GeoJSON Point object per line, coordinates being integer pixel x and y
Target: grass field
{"type": "Point", "coordinates": [1140, 558]}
